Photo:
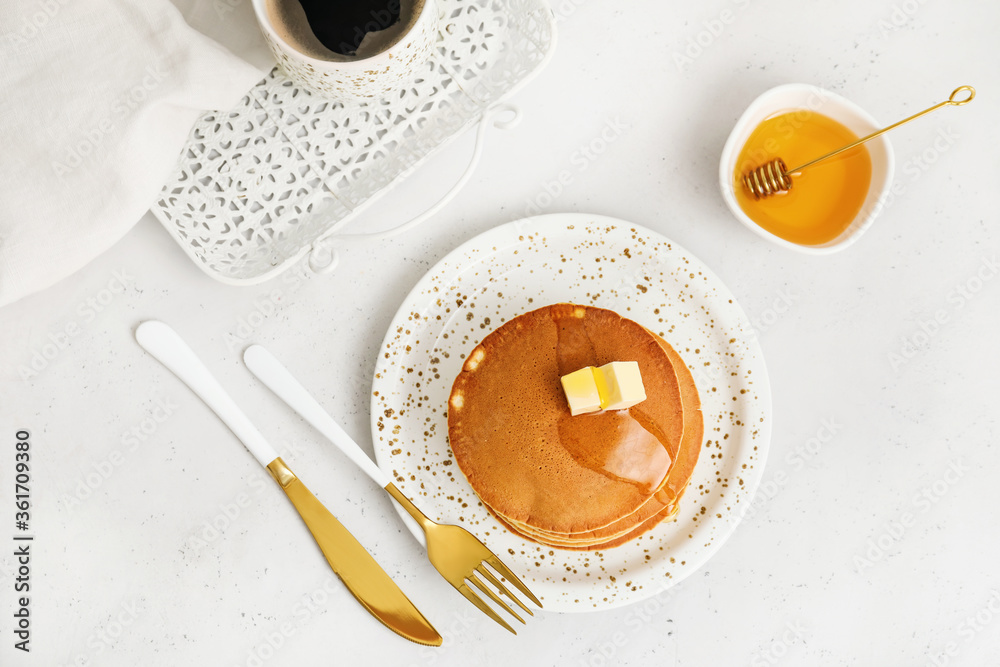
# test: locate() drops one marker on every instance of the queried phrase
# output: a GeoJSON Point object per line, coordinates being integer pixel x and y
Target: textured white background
{"type": "Point", "coordinates": [119, 581]}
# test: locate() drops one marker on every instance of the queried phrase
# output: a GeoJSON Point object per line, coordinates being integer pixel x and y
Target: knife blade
{"type": "Point", "coordinates": [361, 574]}
{"type": "Point", "coordinates": [363, 577]}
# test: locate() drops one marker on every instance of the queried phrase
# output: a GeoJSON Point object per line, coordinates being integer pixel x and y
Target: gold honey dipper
{"type": "Point", "coordinates": [773, 177]}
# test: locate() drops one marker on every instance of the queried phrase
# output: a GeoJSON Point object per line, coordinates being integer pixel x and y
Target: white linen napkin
{"type": "Point", "coordinates": [96, 100]}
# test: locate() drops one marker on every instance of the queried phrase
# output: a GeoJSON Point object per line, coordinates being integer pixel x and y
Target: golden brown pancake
{"type": "Point", "coordinates": [664, 504]}
{"type": "Point", "coordinates": [666, 513]}
{"type": "Point", "coordinates": [694, 430]}
{"type": "Point", "coordinates": [523, 453]}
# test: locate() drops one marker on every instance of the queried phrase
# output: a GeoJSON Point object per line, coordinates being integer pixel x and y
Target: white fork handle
{"type": "Point", "coordinates": [170, 350]}
{"type": "Point", "coordinates": [278, 379]}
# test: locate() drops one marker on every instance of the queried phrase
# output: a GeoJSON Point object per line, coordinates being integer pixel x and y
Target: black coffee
{"type": "Point", "coordinates": [341, 25]}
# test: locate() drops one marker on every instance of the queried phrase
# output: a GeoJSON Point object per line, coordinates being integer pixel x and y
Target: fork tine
{"type": "Point", "coordinates": [493, 596]}
{"type": "Point", "coordinates": [503, 589]}
{"type": "Point", "coordinates": [511, 577]}
{"type": "Point", "coordinates": [483, 607]}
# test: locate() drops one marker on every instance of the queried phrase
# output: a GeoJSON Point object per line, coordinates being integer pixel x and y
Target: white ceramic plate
{"type": "Point", "coordinates": [590, 260]}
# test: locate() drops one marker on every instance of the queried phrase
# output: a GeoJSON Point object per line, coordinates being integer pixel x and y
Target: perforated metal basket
{"type": "Point", "coordinates": [278, 177]}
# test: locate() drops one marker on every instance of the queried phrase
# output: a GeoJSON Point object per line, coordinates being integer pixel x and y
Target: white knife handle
{"type": "Point", "coordinates": [170, 350]}
{"type": "Point", "coordinates": [278, 379]}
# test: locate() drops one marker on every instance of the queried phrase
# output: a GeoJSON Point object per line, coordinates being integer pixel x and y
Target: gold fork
{"type": "Point", "coordinates": [456, 553]}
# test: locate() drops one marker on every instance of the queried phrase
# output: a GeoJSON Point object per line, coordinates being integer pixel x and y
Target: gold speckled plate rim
{"type": "Point", "coordinates": [573, 581]}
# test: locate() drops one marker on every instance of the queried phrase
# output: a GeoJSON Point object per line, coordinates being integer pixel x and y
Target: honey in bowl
{"type": "Point", "coordinates": [826, 198]}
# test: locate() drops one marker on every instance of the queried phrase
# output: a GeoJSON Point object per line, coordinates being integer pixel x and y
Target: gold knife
{"type": "Point", "coordinates": [364, 578]}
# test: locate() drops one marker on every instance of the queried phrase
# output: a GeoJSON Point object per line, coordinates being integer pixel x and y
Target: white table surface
{"type": "Point", "coordinates": [820, 573]}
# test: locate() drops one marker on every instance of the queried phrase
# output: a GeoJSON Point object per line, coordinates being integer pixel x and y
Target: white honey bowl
{"type": "Point", "coordinates": [790, 97]}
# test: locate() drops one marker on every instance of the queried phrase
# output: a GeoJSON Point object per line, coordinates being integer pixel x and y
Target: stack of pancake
{"type": "Point", "coordinates": [592, 481]}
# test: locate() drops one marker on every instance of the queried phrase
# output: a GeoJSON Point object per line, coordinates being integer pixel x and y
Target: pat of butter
{"type": "Point", "coordinates": [581, 391]}
{"type": "Point", "coordinates": [620, 385]}
{"type": "Point", "coordinates": [614, 386]}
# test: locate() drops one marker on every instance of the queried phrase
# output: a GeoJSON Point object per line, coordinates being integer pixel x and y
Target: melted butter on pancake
{"type": "Point", "coordinates": [632, 451]}
{"type": "Point", "coordinates": [630, 448]}
{"type": "Point", "coordinates": [507, 421]}
{"type": "Point", "coordinates": [664, 504]}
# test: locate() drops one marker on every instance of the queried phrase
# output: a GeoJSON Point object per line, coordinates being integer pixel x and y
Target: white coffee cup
{"type": "Point", "coordinates": [352, 78]}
